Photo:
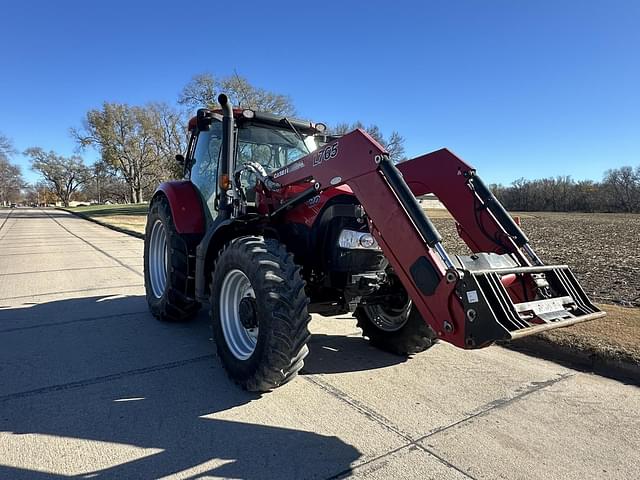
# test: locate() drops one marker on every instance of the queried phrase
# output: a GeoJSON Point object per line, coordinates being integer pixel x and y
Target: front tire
{"type": "Point", "coordinates": [168, 267]}
{"type": "Point", "coordinates": [259, 313]}
{"type": "Point", "coordinates": [400, 331]}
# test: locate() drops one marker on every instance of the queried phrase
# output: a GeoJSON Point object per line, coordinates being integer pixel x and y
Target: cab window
{"type": "Point", "coordinates": [204, 171]}
{"type": "Point", "coordinates": [273, 148]}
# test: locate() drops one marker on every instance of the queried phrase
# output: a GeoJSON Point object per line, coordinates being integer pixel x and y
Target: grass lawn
{"type": "Point", "coordinates": [109, 210]}
{"type": "Point", "coordinates": [130, 217]}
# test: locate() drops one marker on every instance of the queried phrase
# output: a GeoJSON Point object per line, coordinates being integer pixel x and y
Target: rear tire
{"type": "Point", "coordinates": [168, 267]}
{"type": "Point", "coordinates": [259, 313]}
{"type": "Point", "coordinates": [409, 335]}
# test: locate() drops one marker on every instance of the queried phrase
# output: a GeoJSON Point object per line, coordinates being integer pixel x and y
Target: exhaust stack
{"type": "Point", "coordinates": [226, 164]}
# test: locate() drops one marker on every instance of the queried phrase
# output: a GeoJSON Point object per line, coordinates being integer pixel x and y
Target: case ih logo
{"type": "Point", "coordinates": [280, 173]}
{"type": "Point", "coordinates": [325, 154]}
{"type": "Point", "coordinates": [291, 168]}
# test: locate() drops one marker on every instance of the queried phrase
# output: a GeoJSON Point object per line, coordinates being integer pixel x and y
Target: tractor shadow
{"type": "Point", "coordinates": [333, 354]}
{"type": "Point", "coordinates": [97, 388]}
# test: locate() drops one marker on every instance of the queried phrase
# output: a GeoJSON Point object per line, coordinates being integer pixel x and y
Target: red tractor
{"type": "Point", "coordinates": [275, 220]}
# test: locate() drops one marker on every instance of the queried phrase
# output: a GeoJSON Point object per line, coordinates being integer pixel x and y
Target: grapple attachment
{"type": "Point", "coordinates": [491, 314]}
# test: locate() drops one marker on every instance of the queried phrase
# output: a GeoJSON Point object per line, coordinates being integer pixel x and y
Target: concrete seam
{"type": "Point", "coordinates": [500, 403]}
{"type": "Point", "coordinates": [357, 405]}
{"type": "Point", "coordinates": [5, 221]}
{"type": "Point", "coordinates": [37, 245]}
{"type": "Point", "coordinates": [6, 218]}
{"type": "Point", "coordinates": [374, 416]}
{"type": "Point", "coordinates": [68, 322]}
{"type": "Point", "coordinates": [350, 470]}
{"type": "Point", "coordinates": [102, 379]}
{"type": "Point", "coordinates": [58, 270]}
{"type": "Point", "coordinates": [73, 291]}
{"type": "Point", "coordinates": [96, 248]}
{"type": "Point", "coordinates": [46, 253]}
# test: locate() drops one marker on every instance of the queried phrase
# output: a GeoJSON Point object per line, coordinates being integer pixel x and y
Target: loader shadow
{"type": "Point", "coordinates": [111, 416]}
{"type": "Point", "coordinates": [330, 354]}
{"type": "Point", "coordinates": [175, 418]}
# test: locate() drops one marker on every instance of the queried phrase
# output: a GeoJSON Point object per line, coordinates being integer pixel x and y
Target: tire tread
{"type": "Point", "coordinates": [274, 273]}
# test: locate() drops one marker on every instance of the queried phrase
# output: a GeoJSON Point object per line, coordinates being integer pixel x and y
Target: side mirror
{"type": "Point", "coordinates": [204, 119]}
{"type": "Point", "coordinates": [180, 158]}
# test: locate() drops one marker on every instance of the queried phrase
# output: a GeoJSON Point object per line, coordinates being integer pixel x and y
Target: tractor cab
{"type": "Point", "coordinates": [260, 139]}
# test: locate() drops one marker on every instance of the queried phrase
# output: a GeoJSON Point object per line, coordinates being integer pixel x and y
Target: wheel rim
{"type": "Point", "coordinates": [241, 340]}
{"type": "Point", "coordinates": [388, 318]}
{"type": "Point", "coordinates": [158, 259]}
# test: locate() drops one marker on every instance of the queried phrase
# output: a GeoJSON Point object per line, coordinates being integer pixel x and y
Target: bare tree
{"type": "Point", "coordinates": [138, 141]}
{"type": "Point", "coordinates": [171, 136]}
{"type": "Point", "coordinates": [6, 147]}
{"type": "Point", "coordinates": [63, 174]}
{"type": "Point", "coordinates": [106, 185]}
{"type": "Point", "coordinates": [200, 92]}
{"type": "Point", "coordinates": [586, 197]}
{"type": "Point", "coordinates": [11, 181]}
{"type": "Point", "coordinates": [623, 185]}
{"type": "Point", "coordinates": [394, 145]}
{"type": "Point", "coordinates": [203, 89]}
{"type": "Point", "coordinates": [39, 193]}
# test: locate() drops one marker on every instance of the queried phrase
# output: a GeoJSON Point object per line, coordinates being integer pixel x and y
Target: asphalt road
{"type": "Point", "coordinates": [92, 386]}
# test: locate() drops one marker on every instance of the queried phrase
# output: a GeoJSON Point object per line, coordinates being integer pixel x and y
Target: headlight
{"type": "Point", "coordinates": [367, 241]}
{"type": "Point", "coordinates": [357, 240]}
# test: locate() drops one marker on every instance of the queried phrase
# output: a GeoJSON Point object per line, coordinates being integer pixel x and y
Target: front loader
{"type": "Point", "coordinates": [275, 219]}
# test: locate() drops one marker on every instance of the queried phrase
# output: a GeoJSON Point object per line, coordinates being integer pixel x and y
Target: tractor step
{"type": "Point", "coordinates": [491, 313]}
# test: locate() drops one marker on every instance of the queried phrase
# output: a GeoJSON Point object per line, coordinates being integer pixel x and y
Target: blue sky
{"type": "Point", "coordinates": [518, 89]}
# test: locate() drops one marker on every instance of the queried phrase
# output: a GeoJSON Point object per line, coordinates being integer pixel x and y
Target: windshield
{"type": "Point", "coordinates": [272, 147]}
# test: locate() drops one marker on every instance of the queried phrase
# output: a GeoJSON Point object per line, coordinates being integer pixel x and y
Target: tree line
{"type": "Point", "coordinates": [619, 191]}
{"type": "Point", "coordinates": [137, 143]}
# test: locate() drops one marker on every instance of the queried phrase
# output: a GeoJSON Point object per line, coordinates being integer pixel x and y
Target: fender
{"type": "Point", "coordinates": [185, 204]}
{"type": "Point", "coordinates": [221, 231]}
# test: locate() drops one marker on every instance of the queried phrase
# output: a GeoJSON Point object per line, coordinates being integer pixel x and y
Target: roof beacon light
{"type": "Point", "coordinates": [248, 113]}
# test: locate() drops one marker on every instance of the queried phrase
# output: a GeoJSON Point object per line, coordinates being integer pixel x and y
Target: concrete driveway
{"type": "Point", "coordinates": [92, 386]}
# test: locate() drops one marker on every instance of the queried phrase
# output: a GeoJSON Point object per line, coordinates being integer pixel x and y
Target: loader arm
{"type": "Point", "coordinates": [503, 291]}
